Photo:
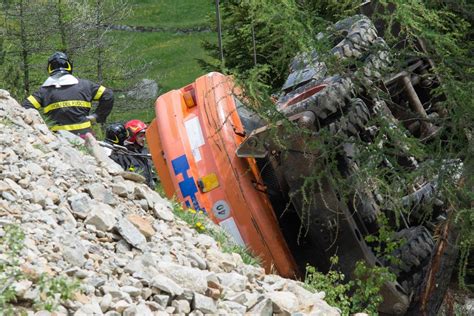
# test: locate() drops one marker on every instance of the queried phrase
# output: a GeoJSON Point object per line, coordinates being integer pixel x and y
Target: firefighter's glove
{"type": "Point", "coordinates": [92, 118]}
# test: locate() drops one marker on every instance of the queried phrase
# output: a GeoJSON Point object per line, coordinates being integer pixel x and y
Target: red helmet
{"type": "Point", "coordinates": [134, 128]}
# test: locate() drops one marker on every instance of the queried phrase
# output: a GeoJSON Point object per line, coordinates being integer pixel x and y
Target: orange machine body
{"type": "Point", "coordinates": [193, 141]}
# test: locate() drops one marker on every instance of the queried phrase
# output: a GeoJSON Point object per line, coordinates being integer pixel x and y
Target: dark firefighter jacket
{"type": "Point", "coordinates": [137, 164]}
{"type": "Point", "coordinates": [69, 105]}
{"type": "Point", "coordinates": [141, 165]}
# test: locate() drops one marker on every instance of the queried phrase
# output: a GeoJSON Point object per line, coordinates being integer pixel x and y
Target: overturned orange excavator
{"type": "Point", "coordinates": [193, 142]}
{"type": "Point", "coordinates": [214, 154]}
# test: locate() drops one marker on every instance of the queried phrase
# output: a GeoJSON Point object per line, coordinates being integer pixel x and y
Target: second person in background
{"type": "Point", "coordinates": [136, 144]}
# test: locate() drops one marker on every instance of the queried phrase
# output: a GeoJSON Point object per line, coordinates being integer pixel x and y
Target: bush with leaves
{"type": "Point", "coordinates": [361, 294]}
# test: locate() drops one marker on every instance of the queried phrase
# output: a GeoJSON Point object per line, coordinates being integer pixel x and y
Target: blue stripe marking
{"type": "Point", "coordinates": [187, 186]}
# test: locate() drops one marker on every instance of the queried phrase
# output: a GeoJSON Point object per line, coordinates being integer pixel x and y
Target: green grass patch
{"type": "Point", "coordinates": [169, 13]}
{"type": "Point", "coordinates": [173, 59]}
{"type": "Point", "coordinates": [172, 56]}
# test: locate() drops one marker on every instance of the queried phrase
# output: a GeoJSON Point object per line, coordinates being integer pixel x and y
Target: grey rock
{"type": "Point", "coordinates": [121, 306]}
{"type": "Point", "coordinates": [181, 306]}
{"type": "Point", "coordinates": [73, 250]}
{"type": "Point", "coordinates": [4, 94]}
{"type": "Point", "coordinates": [321, 308]}
{"type": "Point", "coordinates": [154, 306]}
{"type": "Point", "coordinates": [122, 247]}
{"type": "Point", "coordinates": [204, 304]}
{"type": "Point", "coordinates": [205, 241]}
{"type": "Point", "coordinates": [167, 285]}
{"type": "Point", "coordinates": [145, 89]}
{"type": "Point", "coordinates": [100, 155]}
{"type": "Point", "coordinates": [70, 137]}
{"type": "Point", "coordinates": [232, 307]}
{"type": "Point", "coordinates": [186, 295]}
{"type": "Point", "coordinates": [131, 290]}
{"type": "Point", "coordinates": [187, 277]}
{"type": "Point", "coordinates": [283, 301]}
{"type": "Point", "coordinates": [131, 311]}
{"type": "Point", "coordinates": [162, 212]}
{"type": "Point", "coordinates": [105, 302]}
{"type": "Point", "coordinates": [201, 263]}
{"type": "Point", "coordinates": [8, 196]}
{"type": "Point", "coordinates": [232, 280]}
{"type": "Point", "coordinates": [31, 294]}
{"type": "Point", "coordinates": [102, 216]}
{"type": "Point", "coordinates": [101, 194]}
{"type": "Point", "coordinates": [143, 310]}
{"type": "Point", "coordinates": [65, 218]}
{"type": "Point", "coordinates": [92, 308]}
{"type": "Point", "coordinates": [130, 233]}
{"type": "Point", "coordinates": [80, 204]}
{"type": "Point", "coordinates": [120, 189]}
{"type": "Point", "coordinates": [21, 287]}
{"type": "Point", "coordinates": [35, 169]}
{"type": "Point", "coordinates": [95, 281]}
{"type": "Point", "coordinates": [132, 176]}
{"type": "Point", "coordinates": [151, 196]}
{"type": "Point", "coordinates": [146, 293]}
{"type": "Point", "coordinates": [263, 308]}
{"type": "Point", "coordinates": [74, 255]}
{"type": "Point", "coordinates": [163, 300]}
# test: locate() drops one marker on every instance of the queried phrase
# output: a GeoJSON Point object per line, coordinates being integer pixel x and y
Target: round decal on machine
{"type": "Point", "coordinates": [221, 209]}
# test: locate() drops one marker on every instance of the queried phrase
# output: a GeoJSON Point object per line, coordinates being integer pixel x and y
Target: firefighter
{"type": "Point", "coordinates": [67, 100]}
{"type": "Point", "coordinates": [116, 134]}
{"type": "Point", "coordinates": [136, 143]}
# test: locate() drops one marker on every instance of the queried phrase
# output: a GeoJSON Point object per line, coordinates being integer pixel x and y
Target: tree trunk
{"type": "Point", "coordinates": [24, 49]}
{"type": "Point", "coordinates": [99, 42]}
{"type": "Point", "coordinates": [62, 28]}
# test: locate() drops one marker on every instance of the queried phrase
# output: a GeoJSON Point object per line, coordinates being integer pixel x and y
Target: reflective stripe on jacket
{"type": "Point", "coordinates": [69, 105]}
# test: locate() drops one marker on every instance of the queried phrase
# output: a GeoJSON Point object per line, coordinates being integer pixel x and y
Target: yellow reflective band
{"type": "Point", "coordinates": [71, 127]}
{"type": "Point", "coordinates": [33, 101]}
{"type": "Point", "coordinates": [66, 104]}
{"type": "Point", "coordinates": [99, 93]}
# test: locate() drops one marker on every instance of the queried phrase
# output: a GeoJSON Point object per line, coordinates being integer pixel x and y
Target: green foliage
{"type": "Point", "coordinates": [80, 146]}
{"type": "Point", "coordinates": [361, 294]}
{"type": "Point", "coordinates": [330, 10]}
{"type": "Point", "coordinates": [384, 243]}
{"type": "Point", "coordinates": [379, 170]}
{"type": "Point", "coordinates": [177, 14]}
{"type": "Point", "coordinates": [259, 33]}
{"type": "Point", "coordinates": [53, 290]}
{"type": "Point", "coordinates": [11, 245]}
{"type": "Point", "coordinates": [366, 286]}
{"type": "Point", "coordinates": [194, 218]}
{"type": "Point", "coordinates": [337, 291]}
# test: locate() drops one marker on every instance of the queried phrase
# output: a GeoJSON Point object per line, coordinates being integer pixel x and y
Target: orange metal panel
{"type": "Point", "coordinates": [200, 140]}
{"type": "Point", "coordinates": [157, 154]}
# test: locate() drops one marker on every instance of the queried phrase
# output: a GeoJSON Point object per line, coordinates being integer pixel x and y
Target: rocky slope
{"type": "Point", "coordinates": [87, 220]}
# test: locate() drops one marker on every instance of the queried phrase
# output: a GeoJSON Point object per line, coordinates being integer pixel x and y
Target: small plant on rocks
{"type": "Point", "coordinates": [362, 294]}
{"type": "Point", "coordinates": [52, 290]}
{"type": "Point", "coordinates": [80, 146]}
{"type": "Point", "coordinates": [201, 223]}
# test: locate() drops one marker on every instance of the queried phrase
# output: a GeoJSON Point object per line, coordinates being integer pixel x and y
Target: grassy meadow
{"type": "Point", "coordinates": [171, 54]}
